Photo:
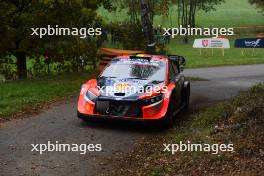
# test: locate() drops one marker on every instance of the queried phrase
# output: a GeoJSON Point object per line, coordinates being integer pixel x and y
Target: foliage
{"type": "Point", "coordinates": [157, 7]}
{"type": "Point", "coordinates": [238, 121]}
{"type": "Point", "coordinates": [187, 10]}
{"type": "Point", "coordinates": [129, 34]}
{"type": "Point", "coordinates": [258, 3]}
{"type": "Point", "coordinates": [7, 68]}
{"type": "Point", "coordinates": [227, 14]}
{"type": "Point", "coordinates": [19, 16]}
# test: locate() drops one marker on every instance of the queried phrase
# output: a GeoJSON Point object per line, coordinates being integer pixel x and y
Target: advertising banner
{"type": "Point", "coordinates": [249, 43]}
{"type": "Point", "coordinates": [211, 43]}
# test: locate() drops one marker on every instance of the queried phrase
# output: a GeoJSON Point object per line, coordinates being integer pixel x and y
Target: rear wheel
{"type": "Point", "coordinates": [186, 97]}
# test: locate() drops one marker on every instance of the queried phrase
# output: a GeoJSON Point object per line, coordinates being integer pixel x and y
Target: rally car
{"type": "Point", "coordinates": [136, 87]}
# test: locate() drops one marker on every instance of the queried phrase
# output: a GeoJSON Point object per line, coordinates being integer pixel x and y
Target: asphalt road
{"type": "Point", "coordinates": [60, 124]}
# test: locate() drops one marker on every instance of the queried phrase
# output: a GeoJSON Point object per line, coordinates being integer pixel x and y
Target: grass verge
{"type": "Point", "coordinates": [209, 57]}
{"type": "Point", "coordinates": [233, 56]}
{"type": "Point", "coordinates": [22, 95]}
{"type": "Point", "coordinates": [238, 121]}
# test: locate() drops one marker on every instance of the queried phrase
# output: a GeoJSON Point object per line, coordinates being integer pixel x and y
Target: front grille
{"type": "Point", "coordinates": [119, 108]}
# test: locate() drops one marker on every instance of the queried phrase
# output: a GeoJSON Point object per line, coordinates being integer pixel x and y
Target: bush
{"type": "Point", "coordinates": [2, 78]}
{"type": "Point", "coordinates": [8, 71]}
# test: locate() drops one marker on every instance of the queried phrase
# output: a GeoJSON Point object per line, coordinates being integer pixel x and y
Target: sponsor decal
{"type": "Point", "coordinates": [121, 86]}
{"type": "Point", "coordinates": [108, 82]}
{"type": "Point", "coordinates": [138, 61]}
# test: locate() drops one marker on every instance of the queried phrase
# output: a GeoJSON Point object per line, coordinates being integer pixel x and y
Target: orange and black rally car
{"type": "Point", "coordinates": [136, 87]}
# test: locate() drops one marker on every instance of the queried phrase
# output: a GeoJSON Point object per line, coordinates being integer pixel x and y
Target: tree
{"type": "Point", "coordinates": [142, 12]}
{"type": "Point", "coordinates": [187, 10]}
{"type": "Point", "coordinates": [258, 3]}
{"type": "Point", "coordinates": [155, 7]}
{"type": "Point", "coordinates": [147, 25]}
{"type": "Point", "coordinates": [17, 17]}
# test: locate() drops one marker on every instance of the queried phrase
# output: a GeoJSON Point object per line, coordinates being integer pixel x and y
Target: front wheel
{"type": "Point", "coordinates": [167, 121]}
{"type": "Point", "coordinates": [83, 118]}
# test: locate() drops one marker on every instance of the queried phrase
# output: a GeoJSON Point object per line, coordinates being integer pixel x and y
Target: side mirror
{"type": "Point", "coordinates": [181, 68]}
{"type": "Point", "coordinates": [179, 61]}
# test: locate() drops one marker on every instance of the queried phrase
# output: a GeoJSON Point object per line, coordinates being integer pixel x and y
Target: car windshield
{"type": "Point", "coordinates": [136, 69]}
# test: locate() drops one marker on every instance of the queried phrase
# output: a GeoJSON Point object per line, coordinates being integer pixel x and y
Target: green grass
{"type": "Point", "coordinates": [21, 95]}
{"type": "Point", "coordinates": [238, 121]}
{"type": "Point", "coordinates": [233, 13]}
{"type": "Point", "coordinates": [233, 56]}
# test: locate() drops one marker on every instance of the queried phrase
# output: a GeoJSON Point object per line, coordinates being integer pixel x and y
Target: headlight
{"type": "Point", "coordinates": [152, 100]}
{"type": "Point", "coordinates": [90, 96]}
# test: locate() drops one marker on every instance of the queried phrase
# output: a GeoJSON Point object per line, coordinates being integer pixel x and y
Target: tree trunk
{"type": "Point", "coordinates": [179, 12]}
{"type": "Point", "coordinates": [21, 65]}
{"type": "Point", "coordinates": [147, 27]}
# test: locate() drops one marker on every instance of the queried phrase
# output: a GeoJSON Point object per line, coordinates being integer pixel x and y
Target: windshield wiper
{"type": "Point", "coordinates": [136, 78]}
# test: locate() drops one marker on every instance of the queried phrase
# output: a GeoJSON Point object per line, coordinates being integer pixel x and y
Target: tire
{"type": "Point", "coordinates": [80, 116]}
{"type": "Point", "coordinates": [167, 121]}
{"type": "Point", "coordinates": [85, 120]}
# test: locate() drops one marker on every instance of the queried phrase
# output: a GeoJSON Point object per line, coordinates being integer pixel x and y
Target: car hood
{"type": "Point", "coordinates": [123, 89]}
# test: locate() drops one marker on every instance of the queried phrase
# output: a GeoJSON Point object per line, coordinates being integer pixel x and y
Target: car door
{"type": "Point", "coordinates": [177, 79]}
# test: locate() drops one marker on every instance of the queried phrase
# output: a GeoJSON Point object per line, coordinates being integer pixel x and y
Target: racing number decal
{"type": "Point", "coordinates": [121, 86]}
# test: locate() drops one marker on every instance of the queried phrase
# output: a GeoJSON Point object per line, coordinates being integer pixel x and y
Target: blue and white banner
{"type": "Point", "coordinates": [249, 43]}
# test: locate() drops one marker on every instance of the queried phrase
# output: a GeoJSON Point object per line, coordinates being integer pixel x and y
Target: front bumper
{"type": "Point", "coordinates": [106, 117]}
{"type": "Point", "coordinates": [156, 111]}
